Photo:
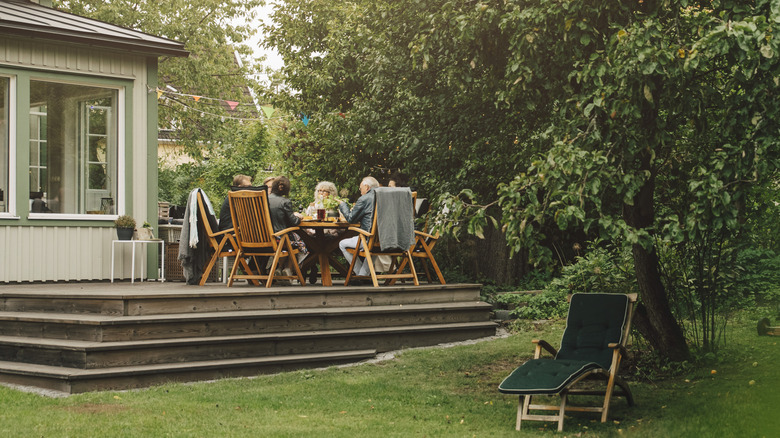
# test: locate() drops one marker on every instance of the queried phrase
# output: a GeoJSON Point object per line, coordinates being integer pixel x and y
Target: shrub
{"type": "Point", "coordinates": [601, 270]}
{"type": "Point", "coordinates": [759, 279]}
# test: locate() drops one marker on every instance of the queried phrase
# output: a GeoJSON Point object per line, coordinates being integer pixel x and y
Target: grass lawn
{"type": "Point", "coordinates": [437, 392]}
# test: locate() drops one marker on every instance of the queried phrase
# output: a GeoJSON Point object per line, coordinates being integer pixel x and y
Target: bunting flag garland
{"type": "Point", "coordinates": [167, 95]}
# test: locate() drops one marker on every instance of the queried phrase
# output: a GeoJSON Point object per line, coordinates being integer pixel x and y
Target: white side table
{"type": "Point", "coordinates": [133, 243]}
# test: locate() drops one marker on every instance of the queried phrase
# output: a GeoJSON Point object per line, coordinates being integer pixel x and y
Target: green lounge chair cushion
{"type": "Point", "coordinates": [544, 376]}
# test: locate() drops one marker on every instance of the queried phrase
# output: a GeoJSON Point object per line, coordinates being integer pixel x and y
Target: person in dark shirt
{"type": "Point", "coordinates": [225, 220]}
{"type": "Point", "coordinates": [283, 216]}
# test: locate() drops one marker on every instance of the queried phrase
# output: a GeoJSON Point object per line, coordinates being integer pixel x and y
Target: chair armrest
{"type": "Point", "coordinates": [623, 350]}
{"type": "Point", "coordinates": [281, 233]}
{"type": "Point", "coordinates": [425, 235]}
{"type": "Point", "coordinates": [229, 230]}
{"type": "Point", "coordinates": [360, 230]}
{"type": "Point", "coordinates": [540, 344]}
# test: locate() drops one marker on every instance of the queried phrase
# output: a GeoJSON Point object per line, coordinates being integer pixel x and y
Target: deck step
{"type": "Point", "coordinates": [117, 328]}
{"type": "Point", "coordinates": [77, 337]}
{"type": "Point", "coordinates": [92, 355]}
{"type": "Point", "coordinates": [185, 299]}
{"type": "Point", "coordinates": [74, 380]}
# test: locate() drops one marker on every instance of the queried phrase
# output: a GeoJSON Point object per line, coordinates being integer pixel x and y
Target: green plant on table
{"type": "Point", "coordinates": [125, 221]}
{"type": "Point", "coordinates": [331, 203]}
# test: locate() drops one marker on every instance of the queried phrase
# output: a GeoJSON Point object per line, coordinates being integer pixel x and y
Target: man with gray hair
{"type": "Point", "coordinates": [362, 212]}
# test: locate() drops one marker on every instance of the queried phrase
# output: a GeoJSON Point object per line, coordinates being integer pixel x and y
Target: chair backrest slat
{"type": "Point", "coordinates": [251, 219]}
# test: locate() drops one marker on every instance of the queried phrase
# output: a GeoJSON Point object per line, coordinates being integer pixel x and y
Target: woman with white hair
{"type": "Point", "coordinates": [324, 189]}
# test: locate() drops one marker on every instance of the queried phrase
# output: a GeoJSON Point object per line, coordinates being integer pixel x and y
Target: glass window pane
{"type": "Point", "coordinates": [97, 149]}
{"type": "Point", "coordinates": [43, 153]}
{"type": "Point", "coordinates": [76, 166]}
{"type": "Point", "coordinates": [42, 132]}
{"type": "Point", "coordinates": [34, 131]}
{"type": "Point", "coordinates": [35, 181]}
{"type": "Point", "coordinates": [34, 154]}
{"type": "Point", "coordinates": [97, 120]}
{"type": "Point", "coordinates": [97, 176]}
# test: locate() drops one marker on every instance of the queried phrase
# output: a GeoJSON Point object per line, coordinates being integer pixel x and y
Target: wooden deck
{"type": "Point", "coordinates": [78, 337]}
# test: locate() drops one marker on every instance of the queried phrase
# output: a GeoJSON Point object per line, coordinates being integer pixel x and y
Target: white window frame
{"type": "Point", "coordinates": [10, 195]}
{"type": "Point", "coordinates": [120, 191]}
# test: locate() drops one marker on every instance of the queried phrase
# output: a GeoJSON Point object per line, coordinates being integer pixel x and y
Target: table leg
{"type": "Point", "coordinates": [325, 269]}
{"type": "Point", "coordinates": [113, 245]}
{"type": "Point", "coordinates": [132, 265]}
{"type": "Point", "coordinates": [162, 261]}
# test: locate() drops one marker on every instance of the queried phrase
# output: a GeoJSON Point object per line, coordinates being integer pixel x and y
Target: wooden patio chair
{"type": "Point", "coordinates": [369, 243]}
{"type": "Point", "coordinates": [256, 238]}
{"type": "Point", "coordinates": [593, 344]}
{"type": "Point", "coordinates": [423, 250]}
{"type": "Point", "coordinates": [221, 242]}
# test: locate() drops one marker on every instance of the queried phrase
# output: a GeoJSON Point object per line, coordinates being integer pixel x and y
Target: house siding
{"type": "Point", "coordinates": [74, 250]}
{"type": "Point", "coordinates": [70, 58]}
{"type": "Point", "coordinates": [30, 254]}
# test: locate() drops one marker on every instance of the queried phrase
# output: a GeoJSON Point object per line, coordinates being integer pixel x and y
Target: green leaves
{"type": "Point", "coordinates": [206, 29]}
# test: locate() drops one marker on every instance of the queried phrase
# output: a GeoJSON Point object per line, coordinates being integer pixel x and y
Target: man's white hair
{"type": "Point", "coordinates": [371, 182]}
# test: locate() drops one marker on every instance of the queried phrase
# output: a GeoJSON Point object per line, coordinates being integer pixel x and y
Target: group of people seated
{"type": "Point", "coordinates": [284, 216]}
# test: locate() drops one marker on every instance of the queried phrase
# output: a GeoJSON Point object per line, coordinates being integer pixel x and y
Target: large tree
{"type": "Point", "coordinates": [214, 32]}
{"type": "Point", "coordinates": [648, 123]}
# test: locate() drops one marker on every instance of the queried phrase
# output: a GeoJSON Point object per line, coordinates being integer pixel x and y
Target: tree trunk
{"type": "Point", "coordinates": [653, 318]}
{"type": "Point", "coordinates": [484, 258]}
{"type": "Point", "coordinates": [492, 258]}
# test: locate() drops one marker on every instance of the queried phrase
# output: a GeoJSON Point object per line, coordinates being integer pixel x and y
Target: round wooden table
{"type": "Point", "coordinates": [321, 245]}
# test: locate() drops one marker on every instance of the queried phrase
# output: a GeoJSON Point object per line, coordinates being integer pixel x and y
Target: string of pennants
{"type": "Point", "coordinates": [267, 110]}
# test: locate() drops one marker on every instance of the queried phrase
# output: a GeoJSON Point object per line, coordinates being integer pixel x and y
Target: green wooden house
{"type": "Point", "coordinates": [78, 141]}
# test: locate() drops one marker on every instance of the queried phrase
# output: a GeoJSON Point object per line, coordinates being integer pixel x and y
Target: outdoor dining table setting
{"type": "Point", "coordinates": [321, 244]}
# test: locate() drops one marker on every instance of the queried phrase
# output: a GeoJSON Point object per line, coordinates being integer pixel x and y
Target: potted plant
{"type": "Point", "coordinates": [145, 233]}
{"type": "Point", "coordinates": [331, 204]}
{"type": "Point", "coordinates": [125, 225]}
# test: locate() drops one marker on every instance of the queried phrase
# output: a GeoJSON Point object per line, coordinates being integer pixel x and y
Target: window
{"type": "Point", "coordinates": [5, 152]}
{"type": "Point", "coordinates": [73, 148]}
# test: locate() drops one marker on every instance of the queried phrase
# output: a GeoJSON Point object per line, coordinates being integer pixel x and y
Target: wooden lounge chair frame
{"type": "Point", "coordinates": [591, 371]}
{"type": "Point", "coordinates": [223, 243]}
{"type": "Point", "coordinates": [368, 246]}
{"type": "Point", "coordinates": [256, 239]}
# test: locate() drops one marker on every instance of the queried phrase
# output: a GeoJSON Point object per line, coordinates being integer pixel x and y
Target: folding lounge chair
{"type": "Point", "coordinates": [592, 346]}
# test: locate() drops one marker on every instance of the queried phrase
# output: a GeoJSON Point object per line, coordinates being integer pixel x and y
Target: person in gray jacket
{"type": "Point", "coordinates": [362, 212]}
